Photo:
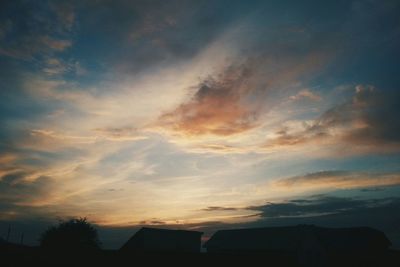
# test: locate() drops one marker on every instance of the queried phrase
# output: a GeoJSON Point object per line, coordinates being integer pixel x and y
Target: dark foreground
{"type": "Point", "coordinates": [29, 256]}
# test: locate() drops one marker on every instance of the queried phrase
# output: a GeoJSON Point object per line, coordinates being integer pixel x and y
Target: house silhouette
{"type": "Point", "coordinates": [307, 245]}
{"type": "Point", "coordinates": [163, 240]}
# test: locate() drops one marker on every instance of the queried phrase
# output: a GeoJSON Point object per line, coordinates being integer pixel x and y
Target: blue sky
{"type": "Point", "coordinates": [199, 114]}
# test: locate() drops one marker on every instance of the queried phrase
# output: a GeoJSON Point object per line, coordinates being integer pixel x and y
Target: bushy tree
{"type": "Point", "coordinates": [74, 234]}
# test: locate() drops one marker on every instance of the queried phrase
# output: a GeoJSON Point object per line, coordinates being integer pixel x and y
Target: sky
{"type": "Point", "coordinates": [199, 115]}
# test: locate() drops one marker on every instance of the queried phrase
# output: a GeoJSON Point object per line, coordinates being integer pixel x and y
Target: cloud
{"type": "Point", "coordinates": [17, 193]}
{"type": "Point", "coordinates": [152, 222]}
{"type": "Point", "coordinates": [286, 137]}
{"type": "Point", "coordinates": [235, 100]}
{"type": "Point", "coordinates": [306, 94]}
{"type": "Point", "coordinates": [119, 134]}
{"type": "Point", "coordinates": [100, 134]}
{"type": "Point", "coordinates": [318, 205]}
{"type": "Point", "coordinates": [220, 148]}
{"type": "Point", "coordinates": [54, 44]}
{"type": "Point", "coordinates": [65, 13]}
{"type": "Point", "coordinates": [367, 121]}
{"type": "Point", "coordinates": [217, 208]}
{"type": "Point", "coordinates": [338, 180]}
{"type": "Point", "coordinates": [54, 66]}
{"type": "Point", "coordinates": [217, 106]}
{"type": "Point", "coordinates": [42, 134]}
{"type": "Point", "coordinates": [153, 22]}
{"type": "Point", "coordinates": [7, 158]}
{"type": "Point", "coordinates": [32, 46]}
{"type": "Point", "coordinates": [373, 189]}
{"type": "Point", "coordinates": [373, 114]}
{"type": "Point", "coordinates": [57, 66]}
{"type": "Point", "coordinates": [37, 31]}
{"type": "Point", "coordinates": [5, 28]}
{"type": "Point", "coordinates": [370, 116]}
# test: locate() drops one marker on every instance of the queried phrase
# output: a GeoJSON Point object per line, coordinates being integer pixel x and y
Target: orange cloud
{"type": "Point", "coordinates": [218, 107]}
{"type": "Point", "coordinates": [235, 101]}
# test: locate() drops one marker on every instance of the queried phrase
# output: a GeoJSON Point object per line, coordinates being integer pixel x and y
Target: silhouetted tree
{"type": "Point", "coordinates": [75, 234]}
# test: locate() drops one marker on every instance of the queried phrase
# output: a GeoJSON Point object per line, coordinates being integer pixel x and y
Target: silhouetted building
{"type": "Point", "coordinates": [164, 240]}
{"type": "Point", "coordinates": [306, 244]}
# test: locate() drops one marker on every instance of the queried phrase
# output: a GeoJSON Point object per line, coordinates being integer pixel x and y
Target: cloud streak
{"type": "Point", "coordinates": [338, 180]}
{"type": "Point", "coordinates": [217, 208]}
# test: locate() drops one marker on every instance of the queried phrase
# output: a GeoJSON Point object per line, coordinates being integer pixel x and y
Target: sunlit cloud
{"type": "Point", "coordinates": [216, 108]}
{"type": "Point", "coordinates": [236, 100]}
{"type": "Point", "coordinates": [338, 180]}
{"type": "Point", "coordinates": [306, 94]}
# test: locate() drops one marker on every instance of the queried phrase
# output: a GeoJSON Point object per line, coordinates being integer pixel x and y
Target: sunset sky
{"type": "Point", "coordinates": [199, 115]}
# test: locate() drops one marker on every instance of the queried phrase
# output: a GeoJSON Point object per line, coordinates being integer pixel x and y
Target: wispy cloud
{"type": "Point", "coordinates": [217, 208]}
{"type": "Point", "coordinates": [338, 180]}
{"type": "Point", "coordinates": [119, 134]}
{"type": "Point", "coordinates": [55, 44]}
{"type": "Point", "coordinates": [306, 94]}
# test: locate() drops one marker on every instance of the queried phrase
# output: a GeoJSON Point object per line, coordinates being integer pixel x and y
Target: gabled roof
{"type": "Point", "coordinates": [291, 237]}
{"type": "Point", "coordinates": [157, 234]}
